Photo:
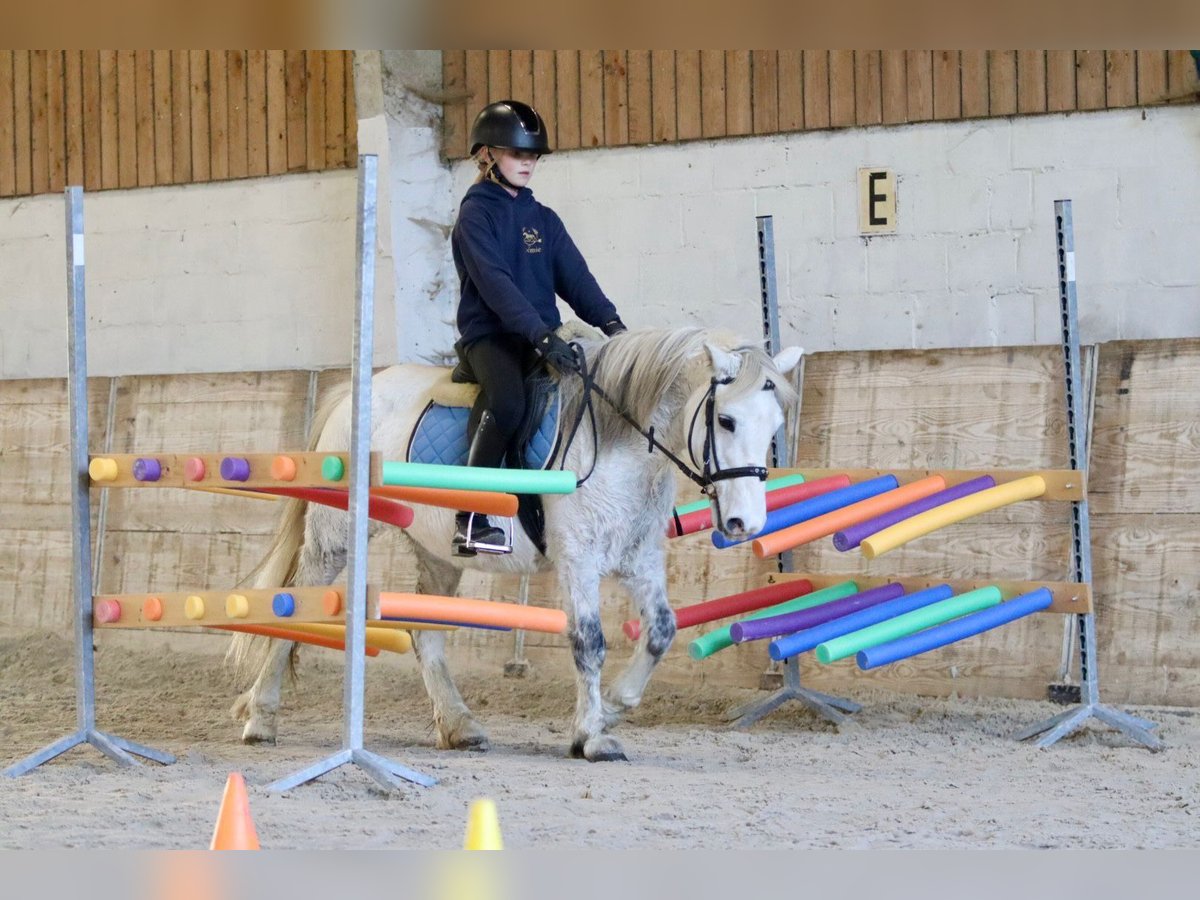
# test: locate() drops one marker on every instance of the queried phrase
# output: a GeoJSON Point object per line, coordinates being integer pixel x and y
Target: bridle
{"type": "Point", "coordinates": [710, 469]}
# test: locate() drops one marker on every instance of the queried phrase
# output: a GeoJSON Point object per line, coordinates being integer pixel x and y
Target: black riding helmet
{"type": "Point", "coordinates": [512, 125]}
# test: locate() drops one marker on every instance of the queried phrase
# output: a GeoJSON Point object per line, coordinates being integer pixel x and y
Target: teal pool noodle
{"type": "Point", "coordinates": [708, 644]}
{"type": "Point", "coordinates": [899, 627]}
{"type": "Point", "coordinates": [474, 478]}
{"type": "Point", "coordinates": [772, 483]}
{"type": "Point", "coordinates": [967, 626]}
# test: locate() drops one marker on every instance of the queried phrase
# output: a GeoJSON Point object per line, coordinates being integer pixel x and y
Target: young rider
{"type": "Point", "coordinates": [513, 256]}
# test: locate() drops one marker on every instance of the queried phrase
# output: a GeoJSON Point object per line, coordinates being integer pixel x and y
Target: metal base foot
{"type": "Point", "coordinates": [1057, 727]}
{"type": "Point", "coordinates": [383, 770]}
{"type": "Point", "coordinates": [829, 708]}
{"type": "Point", "coordinates": [115, 748]}
{"type": "Point", "coordinates": [517, 668]}
{"type": "Point", "coordinates": [824, 705]}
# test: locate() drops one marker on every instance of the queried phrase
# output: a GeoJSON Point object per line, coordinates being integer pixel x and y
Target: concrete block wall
{"type": "Point", "coordinates": [669, 230]}
{"type": "Point", "coordinates": [235, 276]}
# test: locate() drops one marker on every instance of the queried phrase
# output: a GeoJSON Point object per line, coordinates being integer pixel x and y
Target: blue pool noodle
{"type": "Point", "coordinates": [956, 630]}
{"type": "Point", "coordinates": [803, 641]}
{"type": "Point", "coordinates": [815, 506]}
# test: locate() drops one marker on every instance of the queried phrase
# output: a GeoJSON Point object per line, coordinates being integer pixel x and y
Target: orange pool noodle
{"type": "Point", "coordinates": [471, 612]}
{"type": "Point", "coordinates": [822, 526]}
{"type": "Point", "coordinates": [489, 503]}
{"type": "Point", "coordinates": [285, 634]}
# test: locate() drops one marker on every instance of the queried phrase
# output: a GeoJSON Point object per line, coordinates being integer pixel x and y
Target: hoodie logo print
{"type": "Point", "coordinates": [533, 240]}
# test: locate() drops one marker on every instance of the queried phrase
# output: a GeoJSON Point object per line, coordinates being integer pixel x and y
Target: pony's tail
{"type": "Point", "coordinates": [247, 652]}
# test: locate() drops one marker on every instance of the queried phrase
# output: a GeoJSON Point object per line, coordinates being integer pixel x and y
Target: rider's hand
{"type": "Point", "coordinates": [614, 327]}
{"type": "Point", "coordinates": [557, 352]}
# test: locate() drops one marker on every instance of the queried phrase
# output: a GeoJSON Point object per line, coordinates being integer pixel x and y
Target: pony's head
{"type": "Point", "coordinates": [737, 412]}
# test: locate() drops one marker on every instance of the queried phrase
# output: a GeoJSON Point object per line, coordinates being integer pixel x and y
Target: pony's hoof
{"type": "Point", "coordinates": [601, 748]}
{"type": "Point", "coordinates": [258, 732]}
{"type": "Point", "coordinates": [467, 735]}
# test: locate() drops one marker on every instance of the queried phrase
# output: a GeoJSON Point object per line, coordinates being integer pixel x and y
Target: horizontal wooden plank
{"type": "Point", "coordinates": [119, 470]}
{"type": "Point", "coordinates": [173, 609]}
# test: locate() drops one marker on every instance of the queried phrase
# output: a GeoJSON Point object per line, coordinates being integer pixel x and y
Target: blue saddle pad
{"type": "Point", "coordinates": [440, 436]}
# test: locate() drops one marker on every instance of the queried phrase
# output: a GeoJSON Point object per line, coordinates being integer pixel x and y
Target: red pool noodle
{"type": "Point", "coordinates": [733, 605]}
{"type": "Point", "coordinates": [701, 519]}
{"type": "Point", "coordinates": [378, 508]}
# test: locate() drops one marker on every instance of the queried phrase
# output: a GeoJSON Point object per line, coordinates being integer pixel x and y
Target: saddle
{"type": "Point", "coordinates": [440, 435]}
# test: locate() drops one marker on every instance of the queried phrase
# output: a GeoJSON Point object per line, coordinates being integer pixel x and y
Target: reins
{"type": "Point", "coordinates": [710, 468]}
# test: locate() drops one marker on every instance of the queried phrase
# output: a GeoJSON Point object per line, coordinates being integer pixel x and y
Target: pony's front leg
{"type": "Point", "coordinates": [588, 739]}
{"type": "Point", "coordinates": [648, 589]}
{"type": "Point", "coordinates": [259, 706]}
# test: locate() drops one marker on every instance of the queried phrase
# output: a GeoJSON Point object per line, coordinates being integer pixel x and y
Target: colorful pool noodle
{"type": "Point", "coordinates": [900, 626]}
{"type": "Point", "coordinates": [286, 634]}
{"type": "Point", "coordinates": [464, 611]}
{"type": "Point", "coordinates": [708, 644]}
{"type": "Point", "coordinates": [701, 520]}
{"type": "Point", "coordinates": [378, 508]}
{"type": "Point", "coordinates": [967, 626]}
{"type": "Point", "coordinates": [489, 503]}
{"type": "Point", "coordinates": [822, 526]}
{"type": "Point", "coordinates": [392, 639]}
{"type": "Point", "coordinates": [852, 536]}
{"type": "Point", "coordinates": [797, 513]}
{"type": "Point", "coordinates": [773, 626]}
{"type": "Point", "coordinates": [803, 641]}
{"type": "Point", "coordinates": [733, 605]}
{"type": "Point", "coordinates": [954, 511]}
{"type": "Point", "coordinates": [772, 484]}
{"type": "Point", "coordinates": [478, 478]}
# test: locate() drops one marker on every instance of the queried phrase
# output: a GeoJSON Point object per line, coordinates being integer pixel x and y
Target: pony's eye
{"type": "Point", "coordinates": [726, 422]}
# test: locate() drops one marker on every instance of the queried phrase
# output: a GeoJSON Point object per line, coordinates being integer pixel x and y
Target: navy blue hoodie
{"type": "Point", "coordinates": [513, 255]}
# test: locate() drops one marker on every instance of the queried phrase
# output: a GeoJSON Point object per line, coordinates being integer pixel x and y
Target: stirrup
{"type": "Point", "coordinates": [469, 547]}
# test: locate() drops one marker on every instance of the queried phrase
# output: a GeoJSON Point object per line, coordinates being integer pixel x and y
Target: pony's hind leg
{"type": "Point", "coordinates": [457, 728]}
{"type": "Point", "coordinates": [648, 589]}
{"type": "Point", "coordinates": [321, 557]}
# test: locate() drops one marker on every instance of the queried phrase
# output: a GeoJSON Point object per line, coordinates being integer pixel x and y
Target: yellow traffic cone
{"type": "Point", "coordinates": [483, 827]}
{"type": "Point", "coordinates": [235, 827]}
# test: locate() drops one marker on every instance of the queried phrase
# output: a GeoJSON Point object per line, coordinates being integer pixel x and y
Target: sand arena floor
{"type": "Point", "coordinates": [914, 773]}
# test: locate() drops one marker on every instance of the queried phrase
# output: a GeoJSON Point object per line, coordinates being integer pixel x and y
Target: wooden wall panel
{"type": "Point", "coordinates": [641, 116]}
{"type": "Point", "coordinates": [661, 96]}
{"type": "Point", "coordinates": [964, 409]}
{"type": "Point", "coordinates": [123, 119]}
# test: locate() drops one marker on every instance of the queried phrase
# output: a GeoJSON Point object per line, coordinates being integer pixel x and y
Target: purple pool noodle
{"type": "Point", "coordinates": [147, 469]}
{"type": "Point", "coordinates": [853, 536]}
{"type": "Point", "coordinates": [796, 513]}
{"type": "Point", "coordinates": [757, 629]}
{"type": "Point", "coordinates": [803, 641]}
{"type": "Point", "coordinates": [955, 630]}
{"type": "Point", "coordinates": [234, 468]}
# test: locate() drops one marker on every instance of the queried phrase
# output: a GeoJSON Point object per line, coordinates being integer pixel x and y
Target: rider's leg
{"type": "Point", "coordinates": [498, 363]}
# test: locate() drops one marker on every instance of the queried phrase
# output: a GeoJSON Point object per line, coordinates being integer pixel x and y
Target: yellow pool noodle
{"type": "Point", "coordinates": [381, 638]}
{"type": "Point", "coordinates": [949, 513]}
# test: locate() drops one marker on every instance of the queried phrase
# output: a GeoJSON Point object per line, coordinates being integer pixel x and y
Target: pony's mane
{"type": "Point", "coordinates": [646, 371]}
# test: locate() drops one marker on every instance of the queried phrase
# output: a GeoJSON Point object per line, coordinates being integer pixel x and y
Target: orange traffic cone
{"type": "Point", "coordinates": [235, 828]}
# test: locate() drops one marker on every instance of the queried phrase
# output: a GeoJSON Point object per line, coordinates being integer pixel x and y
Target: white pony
{"type": "Point", "coordinates": [707, 398]}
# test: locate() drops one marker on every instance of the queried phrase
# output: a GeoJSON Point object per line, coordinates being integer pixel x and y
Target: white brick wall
{"type": "Point", "coordinates": [259, 273]}
{"type": "Point", "coordinates": [255, 274]}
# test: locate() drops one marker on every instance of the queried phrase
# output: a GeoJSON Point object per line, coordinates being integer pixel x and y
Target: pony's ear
{"type": "Point", "coordinates": [788, 358]}
{"type": "Point", "coordinates": [725, 364]}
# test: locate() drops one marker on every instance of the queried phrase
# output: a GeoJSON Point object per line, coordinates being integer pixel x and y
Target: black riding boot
{"type": "Point", "coordinates": [473, 533]}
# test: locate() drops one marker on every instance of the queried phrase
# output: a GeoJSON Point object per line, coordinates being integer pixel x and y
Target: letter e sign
{"type": "Point", "coordinates": [876, 201]}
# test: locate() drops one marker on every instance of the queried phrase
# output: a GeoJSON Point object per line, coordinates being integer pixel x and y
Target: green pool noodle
{"type": "Point", "coordinates": [473, 478]}
{"type": "Point", "coordinates": [909, 623]}
{"type": "Point", "coordinates": [781, 482]}
{"type": "Point", "coordinates": [708, 644]}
